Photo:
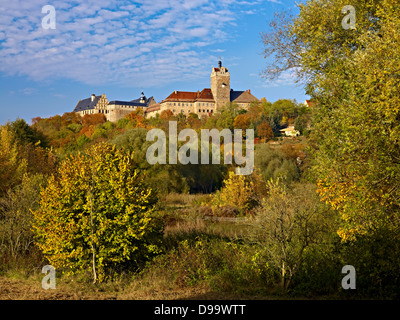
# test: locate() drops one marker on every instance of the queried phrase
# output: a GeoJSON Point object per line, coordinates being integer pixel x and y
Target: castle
{"type": "Point", "coordinates": [204, 102]}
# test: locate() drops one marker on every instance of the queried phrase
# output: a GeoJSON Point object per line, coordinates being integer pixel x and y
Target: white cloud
{"type": "Point", "coordinates": [287, 78]}
{"type": "Point", "coordinates": [27, 91]}
{"type": "Point", "coordinates": [106, 41]}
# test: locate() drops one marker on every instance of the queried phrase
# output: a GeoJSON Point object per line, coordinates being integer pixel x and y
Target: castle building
{"type": "Point", "coordinates": [113, 110]}
{"type": "Point", "coordinates": [204, 102]}
{"type": "Point", "coordinates": [209, 100]}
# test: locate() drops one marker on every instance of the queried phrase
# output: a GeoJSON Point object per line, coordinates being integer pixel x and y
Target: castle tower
{"type": "Point", "coordinates": [220, 85]}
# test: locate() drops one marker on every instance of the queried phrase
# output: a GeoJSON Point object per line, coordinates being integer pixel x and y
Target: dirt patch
{"type": "Point", "coordinates": [17, 289]}
{"type": "Point", "coordinates": [29, 289]}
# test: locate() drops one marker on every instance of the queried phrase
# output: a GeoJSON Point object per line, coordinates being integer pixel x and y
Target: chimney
{"type": "Point", "coordinates": [93, 96]}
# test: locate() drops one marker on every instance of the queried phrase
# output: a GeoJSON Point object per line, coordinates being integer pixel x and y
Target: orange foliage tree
{"type": "Point", "coordinates": [265, 131]}
{"type": "Point", "coordinates": [93, 119]}
{"type": "Point", "coordinates": [137, 118]}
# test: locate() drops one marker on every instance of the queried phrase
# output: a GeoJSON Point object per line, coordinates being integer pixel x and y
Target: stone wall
{"type": "Point", "coordinates": [220, 86]}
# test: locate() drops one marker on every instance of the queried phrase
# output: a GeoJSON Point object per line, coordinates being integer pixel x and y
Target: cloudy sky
{"type": "Point", "coordinates": [122, 47]}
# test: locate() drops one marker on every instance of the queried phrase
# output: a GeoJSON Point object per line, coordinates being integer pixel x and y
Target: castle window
{"type": "Point", "coordinates": [199, 110]}
{"type": "Point", "coordinates": [204, 110]}
{"type": "Point", "coordinates": [207, 111]}
{"type": "Point", "coordinates": [174, 104]}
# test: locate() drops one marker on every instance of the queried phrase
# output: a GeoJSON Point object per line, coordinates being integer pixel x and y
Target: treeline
{"type": "Point", "coordinates": [38, 161]}
{"type": "Point", "coordinates": [70, 132]}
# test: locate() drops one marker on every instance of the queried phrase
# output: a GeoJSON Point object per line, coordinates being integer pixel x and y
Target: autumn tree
{"type": "Point", "coordinates": [96, 214]}
{"type": "Point", "coordinates": [193, 121]}
{"type": "Point", "coordinates": [70, 118]}
{"type": "Point", "coordinates": [93, 119]}
{"type": "Point", "coordinates": [239, 191]}
{"type": "Point", "coordinates": [12, 167]}
{"type": "Point", "coordinates": [242, 121]}
{"type": "Point", "coordinates": [166, 114]}
{"type": "Point", "coordinates": [137, 118]}
{"type": "Point", "coordinates": [264, 131]}
{"type": "Point", "coordinates": [352, 75]}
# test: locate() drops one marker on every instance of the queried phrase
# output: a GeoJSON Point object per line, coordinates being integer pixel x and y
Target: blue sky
{"type": "Point", "coordinates": [121, 47]}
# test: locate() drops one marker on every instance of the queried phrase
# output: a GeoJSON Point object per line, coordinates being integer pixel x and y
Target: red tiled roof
{"type": "Point", "coordinates": [205, 94]}
{"type": "Point", "coordinates": [182, 95]}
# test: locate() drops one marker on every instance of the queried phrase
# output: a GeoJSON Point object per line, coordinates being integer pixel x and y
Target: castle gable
{"type": "Point", "coordinates": [206, 94]}
{"type": "Point", "coordinates": [242, 96]}
{"type": "Point", "coordinates": [87, 104]}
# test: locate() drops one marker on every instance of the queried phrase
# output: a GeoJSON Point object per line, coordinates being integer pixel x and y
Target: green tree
{"type": "Point", "coordinates": [96, 214]}
{"type": "Point", "coordinates": [226, 116]}
{"type": "Point", "coordinates": [352, 75]}
{"type": "Point", "coordinates": [162, 179]}
{"type": "Point", "coordinates": [26, 134]}
{"type": "Point", "coordinates": [274, 164]}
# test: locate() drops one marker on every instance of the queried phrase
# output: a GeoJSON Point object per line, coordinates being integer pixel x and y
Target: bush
{"type": "Point", "coordinates": [289, 223]}
{"type": "Point", "coordinates": [222, 265]}
{"type": "Point", "coordinates": [16, 237]}
{"type": "Point", "coordinates": [239, 193]}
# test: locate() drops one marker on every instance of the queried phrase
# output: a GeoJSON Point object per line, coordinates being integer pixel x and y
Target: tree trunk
{"type": "Point", "coordinates": [283, 275]}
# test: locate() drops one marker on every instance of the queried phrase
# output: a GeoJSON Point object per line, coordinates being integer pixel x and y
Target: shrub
{"type": "Point", "coordinates": [16, 237]}
{"type": "Point", "coordinates": [239, 193]}
{"type": "Point", "coordinates": [289, 223]}
{"type": "Point", "coordinates": [222, 265]}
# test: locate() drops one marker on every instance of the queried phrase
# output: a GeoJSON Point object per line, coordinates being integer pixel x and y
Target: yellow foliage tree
{"type": "Point", "coordinates": [239, 191]}
{"type": "Point", "coordinates": [96, 214]}
{"type": "Point", "coordinates": [12, 167]}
